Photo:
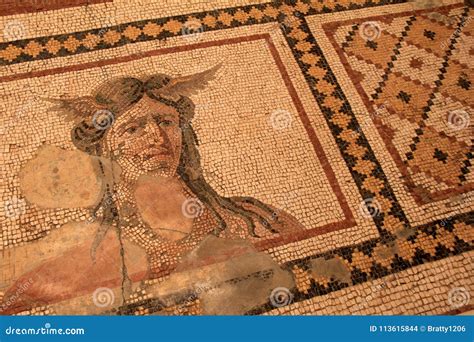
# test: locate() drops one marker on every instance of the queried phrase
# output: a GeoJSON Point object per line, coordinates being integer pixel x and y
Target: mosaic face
{"type": "Point", "coordinates": [147, 139]}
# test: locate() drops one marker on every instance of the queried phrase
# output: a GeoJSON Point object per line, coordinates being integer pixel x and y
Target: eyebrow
{"type": "Point", "coordinates": [123, 126]}
{"type": "Point", "coordinates": [162, 116]}
{"type": "Point", "coordinates": [140, 121]}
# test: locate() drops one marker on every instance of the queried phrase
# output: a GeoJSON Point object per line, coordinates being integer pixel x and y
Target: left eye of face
{"type": "Point", "coordinates": [165, 123]}
{"type": "Point", "coordinates": [131, 130]}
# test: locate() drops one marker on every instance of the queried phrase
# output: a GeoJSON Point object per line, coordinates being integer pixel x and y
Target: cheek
{"type": "Point", "coordinates": [177, 139]}
{"type": "Point", "coordinates": [124, 144]}
{"type": "Point", "coordinates": [111, 142]}
{"type": "Point", "coordinates": [115, 141]}
{"type": "Point", "coordinates": [132, 145]}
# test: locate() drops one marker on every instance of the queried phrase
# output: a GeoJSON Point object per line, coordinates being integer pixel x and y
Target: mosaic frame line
{"type": "Point", "coordinates": [27, 50]}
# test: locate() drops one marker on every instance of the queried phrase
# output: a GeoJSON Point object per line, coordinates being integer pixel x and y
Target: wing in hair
{"type": "Point", "coordinates": [187, 85]}
{"type": "Point", "coordinates": [75, 108]}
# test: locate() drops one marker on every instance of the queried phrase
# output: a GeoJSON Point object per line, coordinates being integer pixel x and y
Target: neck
{"type": "Point", "coordinates": [163, 185]}
{"type": "Point", "coordinates": [162, 203]}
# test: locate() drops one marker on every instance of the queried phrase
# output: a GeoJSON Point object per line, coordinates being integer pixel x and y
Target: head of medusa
{"type": "Point", "coordinates": [144, 125]}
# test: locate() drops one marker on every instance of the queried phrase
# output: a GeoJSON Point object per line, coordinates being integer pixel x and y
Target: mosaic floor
{"type": "Point", "coordinates": [236, 157]}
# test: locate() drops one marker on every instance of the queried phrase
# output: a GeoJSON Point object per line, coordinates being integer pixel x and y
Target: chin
{"type": "Point", "coordinates": [155, 166]}
{"type": "Point", "coordinates": [160, 169]}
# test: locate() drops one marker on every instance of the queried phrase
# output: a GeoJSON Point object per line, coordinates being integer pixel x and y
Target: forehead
{"type": "Point", "coordinates": [147, 106]}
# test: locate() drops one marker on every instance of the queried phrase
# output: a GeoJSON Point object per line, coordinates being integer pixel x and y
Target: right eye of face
{"type": "Point", "coordinates": [131, 129]}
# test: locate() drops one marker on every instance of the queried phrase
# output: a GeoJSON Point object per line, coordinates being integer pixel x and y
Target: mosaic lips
{"type": "Point", "coordinates": [159, 153]}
